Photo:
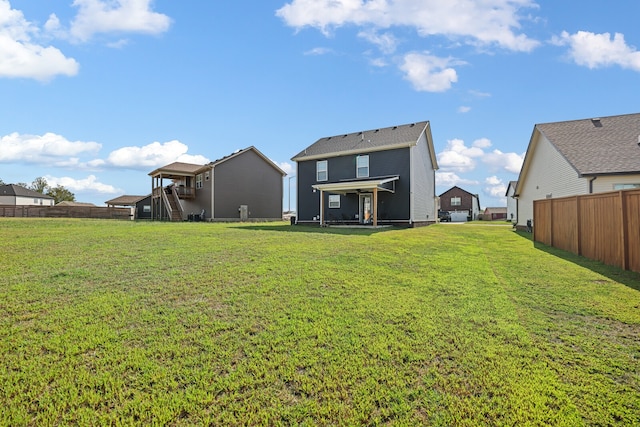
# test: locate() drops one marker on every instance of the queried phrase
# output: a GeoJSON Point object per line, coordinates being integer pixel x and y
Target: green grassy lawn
{"type": "Point", "coordinates": [134, 323]}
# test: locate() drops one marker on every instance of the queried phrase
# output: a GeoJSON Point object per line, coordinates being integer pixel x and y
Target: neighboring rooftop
{"type": "Point", "coordinates": [369, 140]}
{"type": "Point", "coordinates": [125, 200]}
{"type": "Point", "coordinates": [598, 146]}
{"type": "Point", "coordinates": [19, 191]}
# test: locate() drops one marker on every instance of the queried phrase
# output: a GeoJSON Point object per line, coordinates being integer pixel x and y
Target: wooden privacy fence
{"type": "Point", "coordinates": [603, 226]}
{"type": "Point", "coordinates": [65, 212]}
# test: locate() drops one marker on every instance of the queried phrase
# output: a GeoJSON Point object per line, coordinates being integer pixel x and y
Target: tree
{"type": "Point", "coordinates": [2, 182]}
{"type": "Point", "coordinates": [61, 194]}
{"type": "Point", "coordinates": [40, 185]}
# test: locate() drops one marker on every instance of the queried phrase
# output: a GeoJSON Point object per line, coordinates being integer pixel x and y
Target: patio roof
{"type": "Point", "coordinates": [359, 186]}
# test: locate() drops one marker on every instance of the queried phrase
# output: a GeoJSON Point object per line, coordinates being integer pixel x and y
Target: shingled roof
{"type": "Point", "coordinates": [177, 168]}
{"type": "Point", "coordinates": [598, 146]}
{"type": "Point", "coordinates": [19, 191]}
{"type": "Point", "coordinates": [365, 141]}
{"type": "Point", "coordinates": [126, 200]}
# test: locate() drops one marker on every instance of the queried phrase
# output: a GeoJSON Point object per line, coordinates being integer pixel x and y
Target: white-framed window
{"type": "Point", "coordinates": [206, 176]}
{"type": "Point", "coordinates": [362, 166]}
{"type": "Point", "coordinates": [322, 170]}
{"type": "Point", "coordinates": [199, 180]}
{"type": "Point", "coordinates": [334, 201]}
{"type": "Point", "coordinates": [625, 186]}
{"type": "Point", "coordinates": [146, 208]}
{"type": "Point", "coordinates": [455, 201]}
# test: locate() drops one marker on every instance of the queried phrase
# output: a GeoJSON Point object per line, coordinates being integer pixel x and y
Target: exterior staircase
{"type": "Point", "coordinates": [175, 208]}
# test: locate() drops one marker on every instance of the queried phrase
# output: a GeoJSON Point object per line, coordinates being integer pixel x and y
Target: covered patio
{"type": "Point", "coordinates": [367, 186]}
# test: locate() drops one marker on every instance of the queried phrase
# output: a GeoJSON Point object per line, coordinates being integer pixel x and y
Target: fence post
{"type": "Point", "coordinates": [624, 229]}
{"type": "Point", "coordinates": [578, 226]}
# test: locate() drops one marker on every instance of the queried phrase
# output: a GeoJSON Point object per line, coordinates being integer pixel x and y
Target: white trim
{"type": "Point", "coordinates": [338, 202]}
{"type": "Point", "coordinates": [343, 187]}
{"type": "Point", "coordinates": [358, 167]}
{"type": "Point", "coordinates": [325, 170]}
{"type": "Point", "coordinates": [361, 198]}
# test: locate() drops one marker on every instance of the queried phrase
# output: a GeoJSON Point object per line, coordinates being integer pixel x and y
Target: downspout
{"type": "Point", "coordinates": [591, 184]}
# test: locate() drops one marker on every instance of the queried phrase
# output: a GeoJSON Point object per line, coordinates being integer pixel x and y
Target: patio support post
{"type": "Point", "coordinates": [375, 206]}
{"type": "Point", "coordinates": [321, 208]}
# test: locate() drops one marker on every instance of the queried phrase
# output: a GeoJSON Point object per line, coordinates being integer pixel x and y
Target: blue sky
{"type": "Point", "coordinates": [96, 93]}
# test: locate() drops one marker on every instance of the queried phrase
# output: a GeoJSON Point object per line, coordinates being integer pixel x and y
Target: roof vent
{"type": "Point", "coordinates": [395, 127]}
{"type": "Point", "coordinates": [596, 122]}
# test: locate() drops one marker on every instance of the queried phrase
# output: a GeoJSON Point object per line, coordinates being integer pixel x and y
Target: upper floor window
{"type": "Point", "coordinates": [362, 166]}
{"type": "Point", "coordinates": [206, 176]}
{"type": "Point", "coordinates": [199, 180]}
{"type": "Point", "coordinates": [455, 201]}
{"type": "Point", "coordinates": [322, 170]}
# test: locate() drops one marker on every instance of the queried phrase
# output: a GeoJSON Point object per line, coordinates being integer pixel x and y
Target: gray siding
{"type": "Point", "coordinates": [423, 179]}
{"type": "Point", "coordinates": [246, 180]}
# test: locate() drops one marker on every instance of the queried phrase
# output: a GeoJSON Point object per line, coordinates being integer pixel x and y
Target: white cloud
{"type": "Point", "coordinates": [378, 62]}
{"type": "Point", "coordinates": [428, 73]}
{"type": "Point", "coordinates": [600, 50]}
{"type": "Point", "coordinates": [316, 51]}
{"type": "Point", "coordinates": [493, 180]}
{"type": "Point", "coordinates": [287, 167]}
{"type": "Point", "coordinates": [449, 179]}
{"type": "Point", "coordinates": [481, 143]}
{"type": "Point", "coordinates": [495, 187]}
{"type": "Point", "coordinates": [386, 42]}
{"type": "Point", "coordinates": [131, 16]}
{"type": "Point", "coordinates": [464, 109]}
{"type": "Point", "coordinates": [88, 184]}
{"type": "Point", "coordinates": [21, 57]}
{"type": "Point", "coordinates": [479, 94]}
{"type": "Point", "coordinates": [458, 157]}
{"type": "Point", "coordinates": [152, 155]}
{"type": "Point", "coordinates": [49, 148]}
{"type": "Point", "coordinates": [510, 162]}
{"type": "Point", "coordinates": [484, 23]}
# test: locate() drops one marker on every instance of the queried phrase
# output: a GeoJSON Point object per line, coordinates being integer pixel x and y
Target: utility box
{"type": "Point", "coordinates": [244, 212]}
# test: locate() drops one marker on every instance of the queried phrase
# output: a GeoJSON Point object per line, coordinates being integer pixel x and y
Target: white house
{"type": "Point", "coordinates": [16, 195]}
{"type": "Point", "coordinates": [579, 157]}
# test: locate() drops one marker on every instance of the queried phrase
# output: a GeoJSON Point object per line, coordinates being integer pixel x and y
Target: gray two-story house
{"type": "Point", "coordinates": [373, 177]}
{"type": "Point", "coordinates": [243, 186]}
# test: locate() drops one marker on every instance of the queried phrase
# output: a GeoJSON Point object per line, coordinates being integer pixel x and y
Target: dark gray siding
{"type": "Point", "coordinates": [391, 206]}
{"type": "Point", "coordinates": [140, 213]}
{"type": "Point", "coordinates": [247, 179]}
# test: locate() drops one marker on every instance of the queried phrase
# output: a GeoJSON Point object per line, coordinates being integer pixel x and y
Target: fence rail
{"type": "Point", "coordinates": [65, 212]}
{"type": "Point", "coordinates": [603, 226]}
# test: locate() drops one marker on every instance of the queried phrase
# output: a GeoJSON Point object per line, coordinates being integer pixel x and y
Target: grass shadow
{"type": "Point", "coordinates": [628, 278]}
{"type": "Point", "coordinates": [347, 231]}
